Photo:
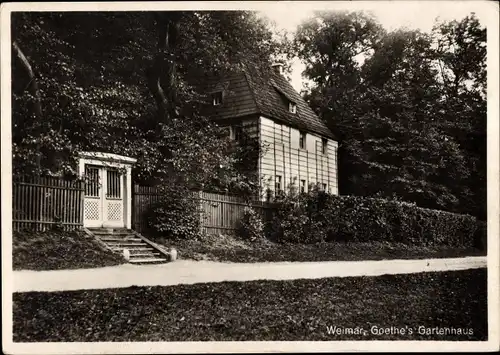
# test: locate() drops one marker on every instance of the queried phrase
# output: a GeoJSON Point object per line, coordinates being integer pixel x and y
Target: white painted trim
{"type": "Point", "coordinates": [107, 160]}
{"type": "Point", "coordinates": [103, 163]}
{"type": "Point", "coordinates": [128, 196]}
{"type": "Point", "coordinates": [107, 157]}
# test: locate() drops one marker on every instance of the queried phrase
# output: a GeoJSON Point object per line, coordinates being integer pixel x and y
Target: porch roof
{"type": "Point", "coordinates": [107, 157]}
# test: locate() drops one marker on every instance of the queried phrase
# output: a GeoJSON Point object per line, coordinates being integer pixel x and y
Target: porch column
{"type": "Point", "coordinates": [81, 167]}
{"type": "Point", "coordinates": [128, 201]}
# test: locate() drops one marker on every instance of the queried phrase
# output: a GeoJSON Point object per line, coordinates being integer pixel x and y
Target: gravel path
{"type": "Point", "coordinates": [190, 272]}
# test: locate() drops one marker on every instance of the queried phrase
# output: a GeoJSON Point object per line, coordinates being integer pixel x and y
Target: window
{"type": "Point", "coordinates": [323, 186]}
{"type": "Point", "coordinates": [277, 185]}
{"type": "Point", "coordinates": [286, 100]}
{"type": "Point", "coordinates": [324, 146]}
{"type": "Point", "coordinates": [92, 181]}
{"type": "Point", "coordinates": [217, 98]}
{"type": "Point", "coordinates": [302, 186]}
{"type": "Point", "coordinates": [238, 131]}
{"type": "Point", "coordinates": [235, 133]}
{"type": "Point", "coordinates": [114, 182]}
{"type": "Point", "coordinates": [302, 140]}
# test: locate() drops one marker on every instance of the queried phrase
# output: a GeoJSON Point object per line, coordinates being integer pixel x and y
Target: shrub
{"type": "Point", "coordinates": [295, 218]}
{"type": "Point", "coordinates": [319, 216]}
{"type": "Point", "coordinates": [251, 225]}
{"type": "Point", "coordinates": [481, 236]}
{"type": "Point", "coordinates": [175, 215]}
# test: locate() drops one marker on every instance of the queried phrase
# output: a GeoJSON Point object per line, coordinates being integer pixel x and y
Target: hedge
{"type": "Point", "coordinates": [319, 217]}
{"type": "Point", "coordinates": [175, 214]}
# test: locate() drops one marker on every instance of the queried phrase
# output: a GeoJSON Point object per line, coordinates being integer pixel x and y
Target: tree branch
{"type": "Point", "coordinates": [35, 91]}
{"type": "Point", "coordinates": [33, 82]}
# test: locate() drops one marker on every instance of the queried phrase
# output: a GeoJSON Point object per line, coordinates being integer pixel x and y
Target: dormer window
{"type": "Point", "coordinates": [217, 98]}
{"type": "Point", "coordinates": [286, 99]}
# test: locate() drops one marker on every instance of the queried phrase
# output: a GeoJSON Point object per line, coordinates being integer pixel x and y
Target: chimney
{"type": "Point", "coordinates": [278, 68]}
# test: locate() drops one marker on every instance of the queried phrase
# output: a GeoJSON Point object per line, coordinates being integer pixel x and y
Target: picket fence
{"type": "Point", "coordinates": [40, 203]}
{"type": "Point", "coordinates": [219, 213]}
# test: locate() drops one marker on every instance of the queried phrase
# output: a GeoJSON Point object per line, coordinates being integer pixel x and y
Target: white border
{"type": "Point", "coordinates": [489, 10]}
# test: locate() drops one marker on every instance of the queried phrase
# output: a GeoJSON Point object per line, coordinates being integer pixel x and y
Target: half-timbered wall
{"type": "Point", "coordinates": [285, 161]}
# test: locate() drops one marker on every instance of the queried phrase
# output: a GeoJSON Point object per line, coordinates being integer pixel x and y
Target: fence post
{"type": "Point", "coordinates": [133, 206]}
{"type": "Point", "coordinates": [200, 207]}
{"type": "Point", "coordinates": [82, 201]}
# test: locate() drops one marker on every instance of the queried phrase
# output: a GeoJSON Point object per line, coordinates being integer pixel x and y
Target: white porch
{"type": "Point", "coordinates": [108, 189]}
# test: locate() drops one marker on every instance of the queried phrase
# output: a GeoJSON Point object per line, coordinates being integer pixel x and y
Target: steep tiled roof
{"type": "Point", "coordinates": [250, 92]}
{"type": "Point", "coordinates": [237, 99]}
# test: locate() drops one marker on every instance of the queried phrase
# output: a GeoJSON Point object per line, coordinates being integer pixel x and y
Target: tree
{"type": "Point", "coordinates": [407, 112]}
{"type": "Point", "coordinates": [460, 55]}
{"type": "Point", "coordinates": [331, 45]}
{"type": "Point", "coordinates": [126, 82]}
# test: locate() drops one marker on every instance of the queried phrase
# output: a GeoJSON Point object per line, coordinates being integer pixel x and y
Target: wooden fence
{"type": "Point", "coordinates": [143, 197]}
{"type": "Point", "coordinates": [39, 203]}
{"type": "Point", "coordinates": [219, 213]}
{"type": "Point", "coordinates": [222, 213]}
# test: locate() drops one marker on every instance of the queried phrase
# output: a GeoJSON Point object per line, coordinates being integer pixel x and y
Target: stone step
{"type": "Point", "coordinates": [142, 255]}
{"type": "Point", "coordinates": [113, 242]}
{"type": "Point", "coordinates": [119, 240]}
{"type": "Point", "coordinates": [114, 234]}
{"type": "Point", "coordinates": [127, 245]}
{"type": "Point", "coordinates": [108, 229]}
{"type": "Point", "coordinates": [104, 229]}
{"type": "Point", "coordinates": [144, 248]}
{"type": "Point", "coordinates": [133, 249]}
{"type": "Point", "coordinates": [148, 261]}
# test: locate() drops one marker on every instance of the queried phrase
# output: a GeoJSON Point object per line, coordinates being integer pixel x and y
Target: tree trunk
{"type": "Point", "coordinates": [35, 91]}
{"type": "Point", "coordinates": [162, 74]}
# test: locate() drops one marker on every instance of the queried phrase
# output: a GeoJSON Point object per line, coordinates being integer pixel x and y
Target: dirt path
{"type": "Point", "coordinates": [190, 272]}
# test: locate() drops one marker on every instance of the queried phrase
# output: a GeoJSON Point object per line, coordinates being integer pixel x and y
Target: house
{"type": "Point", "coordinates": [298, 147]}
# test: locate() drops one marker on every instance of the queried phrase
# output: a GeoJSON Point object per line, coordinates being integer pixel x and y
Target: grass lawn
{"type": "Point", "coordinates": [53, 250]}
{"type": "Point", "coordinates": [233, 249]}
{"type": "Point", "coordinates": [263, 310]}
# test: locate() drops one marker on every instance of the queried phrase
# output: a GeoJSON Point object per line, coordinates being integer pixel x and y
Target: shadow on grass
{"type": "Point", "coordinates": [435, 306]}
{"type": "Point", "coordinates": [232, 249]}
{"type": "Point", "coordinates": [55, 250]}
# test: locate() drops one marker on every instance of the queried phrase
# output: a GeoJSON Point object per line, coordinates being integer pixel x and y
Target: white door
{"type": "Point", "coordinates": [92, 210]}
{"type": "Point", "coordinates": [113, 199]}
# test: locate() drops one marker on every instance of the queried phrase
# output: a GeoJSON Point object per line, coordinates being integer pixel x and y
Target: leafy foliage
{"type": "Point", "coordinates": [291, 219]}
{"type": "Point", "coordinates": [176, 214]}
{"type": "Point", "coordinates": [319, 216]}
{"type": "Point", "coordinates": [251, 225]}
{"type": "Point", "coordinates": [409, 107]}
{"type": "Point", "coordinates": [94, 73]}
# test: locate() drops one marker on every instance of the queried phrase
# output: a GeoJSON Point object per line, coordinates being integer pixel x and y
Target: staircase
{"type": "Point", "coordinates": [118, 239]}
